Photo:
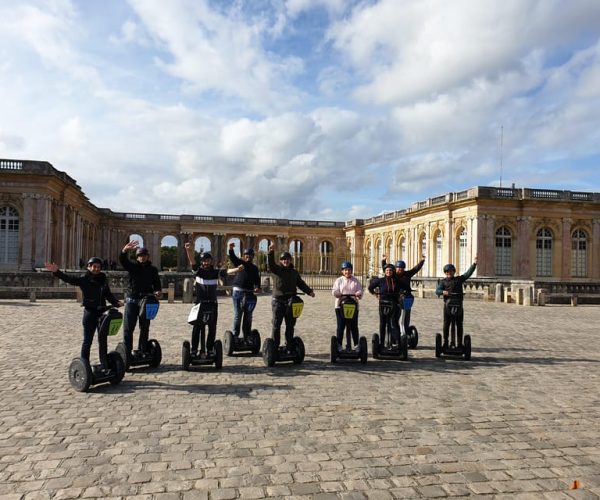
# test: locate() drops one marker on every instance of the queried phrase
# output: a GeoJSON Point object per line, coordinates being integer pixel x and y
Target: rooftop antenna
{"type": "Point", "coordinates": [501, 144]}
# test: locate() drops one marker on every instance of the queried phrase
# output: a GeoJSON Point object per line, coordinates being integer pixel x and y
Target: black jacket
{"type": "Point", "coordinates": [406, 276]}
{"type": "Point", "coordinates": [206, 283]}
{"type": "Point", "coordinates": [286, 279]}
{"type": "Point", "coordinates": [94, 287]}
{"type": "Point", "coordinates": [143, 278]}
{"type": "Point", "coordinates": [249, 278]}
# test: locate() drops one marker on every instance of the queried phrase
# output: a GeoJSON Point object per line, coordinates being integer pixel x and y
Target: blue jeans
{"type": "Point", "coordinates": [241, 315]}
{"type": "Point", "coordinates": [130, 319]}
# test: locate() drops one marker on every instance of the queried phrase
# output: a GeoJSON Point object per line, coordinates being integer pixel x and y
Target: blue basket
{"type": "Point", "coordinates": [408, 303]}
{"type": "Point", "coordinates": [151, 311]}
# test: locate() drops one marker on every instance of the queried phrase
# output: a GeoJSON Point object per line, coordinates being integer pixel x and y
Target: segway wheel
{"type": "Point", "coordinates": [186, 356]}
{"type": "Point", "coordinates": [375, 345]}
{"type": "Point", "coordinates": [80, 375]}
{"type": "Point", "coordinates": [117, 365]}
{"type": "Point", "coordinates": [467, 347]}
{"type": "Point", "coordinates": [333, 349]}
{"type": "Point", "coordinates": [124, 354]}
{"type": "Point", "coordinates": [256, 341]}
{"type": "Point", "coordinates": [403, 347]}
{"type": "Point", "coordinates": [413, 337]}
{"type": "Point", "coordinates": [228, 343]}
{"type": "Point", "coordinates": [268, 351]}
{"type": "Point", "coordinates": [156, 352]}
{"type": "Point", "coordinates": [218, 354]}
{"type": "Point", "coordinates": [362, 349]}
{"type": "Point", "coordinates": [438, 345]}
{"type": "Point", "coordinates": [298, 346]}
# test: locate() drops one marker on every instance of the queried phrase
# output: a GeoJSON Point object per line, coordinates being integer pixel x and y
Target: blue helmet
{"type": "Point", "coordinates": [449, 267]}
{"type": "Point", "coordinates": [346, 265]}
{"type": "Point", "coordinates": [401, 264]}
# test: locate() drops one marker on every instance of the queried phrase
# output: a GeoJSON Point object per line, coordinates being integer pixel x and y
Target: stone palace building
{"type": "Point", "coordinates": [517, 233]}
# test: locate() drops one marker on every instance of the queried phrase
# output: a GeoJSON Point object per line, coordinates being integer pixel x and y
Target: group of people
{"type": "Point", "coordinates": [144, 280]}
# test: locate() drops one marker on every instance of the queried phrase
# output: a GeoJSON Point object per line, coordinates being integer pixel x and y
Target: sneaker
{"type": "Point", "coordinates": [340, 348]}
{"type": "Point", "coordinates": [445, 345]}
{"type": "Point", "coordinates": [194, 354]}
{"type": "Point", "coordinates": [452, 345]}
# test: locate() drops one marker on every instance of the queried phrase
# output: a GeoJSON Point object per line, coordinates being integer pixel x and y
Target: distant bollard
{"type": "Point", "coordinates": [499, 292]}
{"type": "Point", "coordinates": [32, 296]}
{"type": "Point", "coordinates": [528, 296]}
{"type": "Point", "coordinates": [574, 299]}
{"type": "Point", "coordinates": [520, 295]}
{"type": "Point", "coordinates": [171, 293]}
{"type": "Point", "coordinates": [188, 290]}
{"type": "Point", "coordinates": [541, 297]}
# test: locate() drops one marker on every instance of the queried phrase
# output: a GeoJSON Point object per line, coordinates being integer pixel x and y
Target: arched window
{"type": "Point", "coordinates": [463, 264]}
{"type": "Point", "coordinates": [9, 235]}
{"type": "Point", "coordinates": [579, 254]}
{"type": "Point", "coordinates": [543, 252]}
{"type": "Point", "coordinates": [439, 245]}
{"type": "Point", "coordinates": [401, 249]}
{"type": "Point", "coordinates": [503, 251]}
{"type": "Point", "coordinates": [325, 256]}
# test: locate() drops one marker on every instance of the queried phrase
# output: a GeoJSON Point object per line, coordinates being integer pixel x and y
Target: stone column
{"type": "Point", "coordinates": [27, 233]}
{"type": "Point", "coordinates": [594, 251]}
{"type": "Point", "coordinates": [155, 248]}
{"type": "Point", "coordinates": [182, 260]}
{"type": "Point", "coordinates": [43, 221]}
{"type": "Point", "coordinates": [217, 248]}
{"type": "Point", "coordinates": [522, 257]}
{"type": "Point", "coordinates": [250, 242]}
{"type": "Point", "coordinates": [565, 268]}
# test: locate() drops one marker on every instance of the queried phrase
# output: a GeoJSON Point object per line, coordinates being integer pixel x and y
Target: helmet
{"type": "Point", "coordinates": [285, 255]}
{"type": "Point", "coordinates": [249, 251]}
{"type": "Point", "coordinates": [94, 260]}
{"type": "Point", "coordinates": [389, 266]}
{"type": "Point", "coordinates": [141, 251]}
{"type": "Point", "coordinates": [449, 267]}
{"type": "Point", "coordinates": [401, 264]}
{"type": "Point", "coordinates": [205, 256]}
{"type": "Point", "coordinates": [346, 265]}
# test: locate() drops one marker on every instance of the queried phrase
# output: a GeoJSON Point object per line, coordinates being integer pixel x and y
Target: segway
{"type": "Point", "coordinates": [349, 308]}
{"type": "Point", "coordinates": [455, 308]}
{"type": "Point", "coordinates": [203, 313]}
{"type": "Point", "coordinates": [152, 355]}
{"type": "Point", "coordinates": [82, 375]}
{"type": "Point", "coordinates": [394, 348]}
{"type": "Point", "coordinates": [412, 336]}
{"type": "Point", "coordinates": [276, 354]}
{"type": "Point", "coordinates": [245, 343]}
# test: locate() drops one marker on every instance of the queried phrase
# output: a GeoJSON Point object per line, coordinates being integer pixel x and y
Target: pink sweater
{"type": "Point", "coordinates": [346, 286]}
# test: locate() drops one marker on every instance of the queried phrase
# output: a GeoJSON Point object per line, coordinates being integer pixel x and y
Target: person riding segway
{"type": "Point", "coordinates": [204, 349]}
{"type": "Point", "coordinates": [286, 305]}
{"type": "Point", "coordinates": [348, 291]}
{"type": "Point", "coordinates": [451, 289]}
{"type": "Point", "coordinates": [407, 298]}
{"type": "Point", "coordinates": [246, 284]}
{"type": "Point", "coordinates": [141, 304]}
{"type": "Point", "coordinates": [390, 342]}
{"type": "Point", "coordinates": [96, 316]}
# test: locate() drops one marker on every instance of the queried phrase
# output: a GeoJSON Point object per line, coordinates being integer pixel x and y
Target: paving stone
{"type": "Point", "coordinates": [520, 420]}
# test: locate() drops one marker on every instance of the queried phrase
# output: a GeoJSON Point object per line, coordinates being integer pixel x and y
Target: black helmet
{"type": "Point", "coordinates": [389, 266]}
{"type": "Point", "coordinates": [249, 251]}
{"type": "Point", "coordinates": [401, 264]}
{"type": "Point", "coordinates": [94, 260]}
{"type": "Point", "coordinates": [449, 267]}
{"type": "Point", "coordinates": [285, 255]}
{"type": "Point", "coordinates": [205, 256]}
{"type": "Point", "coordinates": [142, 251]}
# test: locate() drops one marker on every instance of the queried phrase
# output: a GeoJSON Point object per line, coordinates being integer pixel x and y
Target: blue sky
{"type": "Point", "coordinates": [321, 109]}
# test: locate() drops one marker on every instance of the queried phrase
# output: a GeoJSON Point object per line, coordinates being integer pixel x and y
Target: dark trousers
{"type": "Point", "coordinates": [90, 324]}
{"type": "Point", "coordinates": [281, 312]}
{"type": "Point", "coordinates": [207, 344]}
{"type": "Point", "coordinates": [394, 331]}
{"type": "Point", "coordinates": [458, 318]}
{"type": "Point", "coordinates": [130, 318]}
{"type": "Point", "coordinates": [241, 315]}
{"type": "Point", "coordinates": [341, 326]}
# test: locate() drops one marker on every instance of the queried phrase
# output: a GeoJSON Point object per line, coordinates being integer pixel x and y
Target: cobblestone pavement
{"type": "Point", "coordinates": [520, 420]}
